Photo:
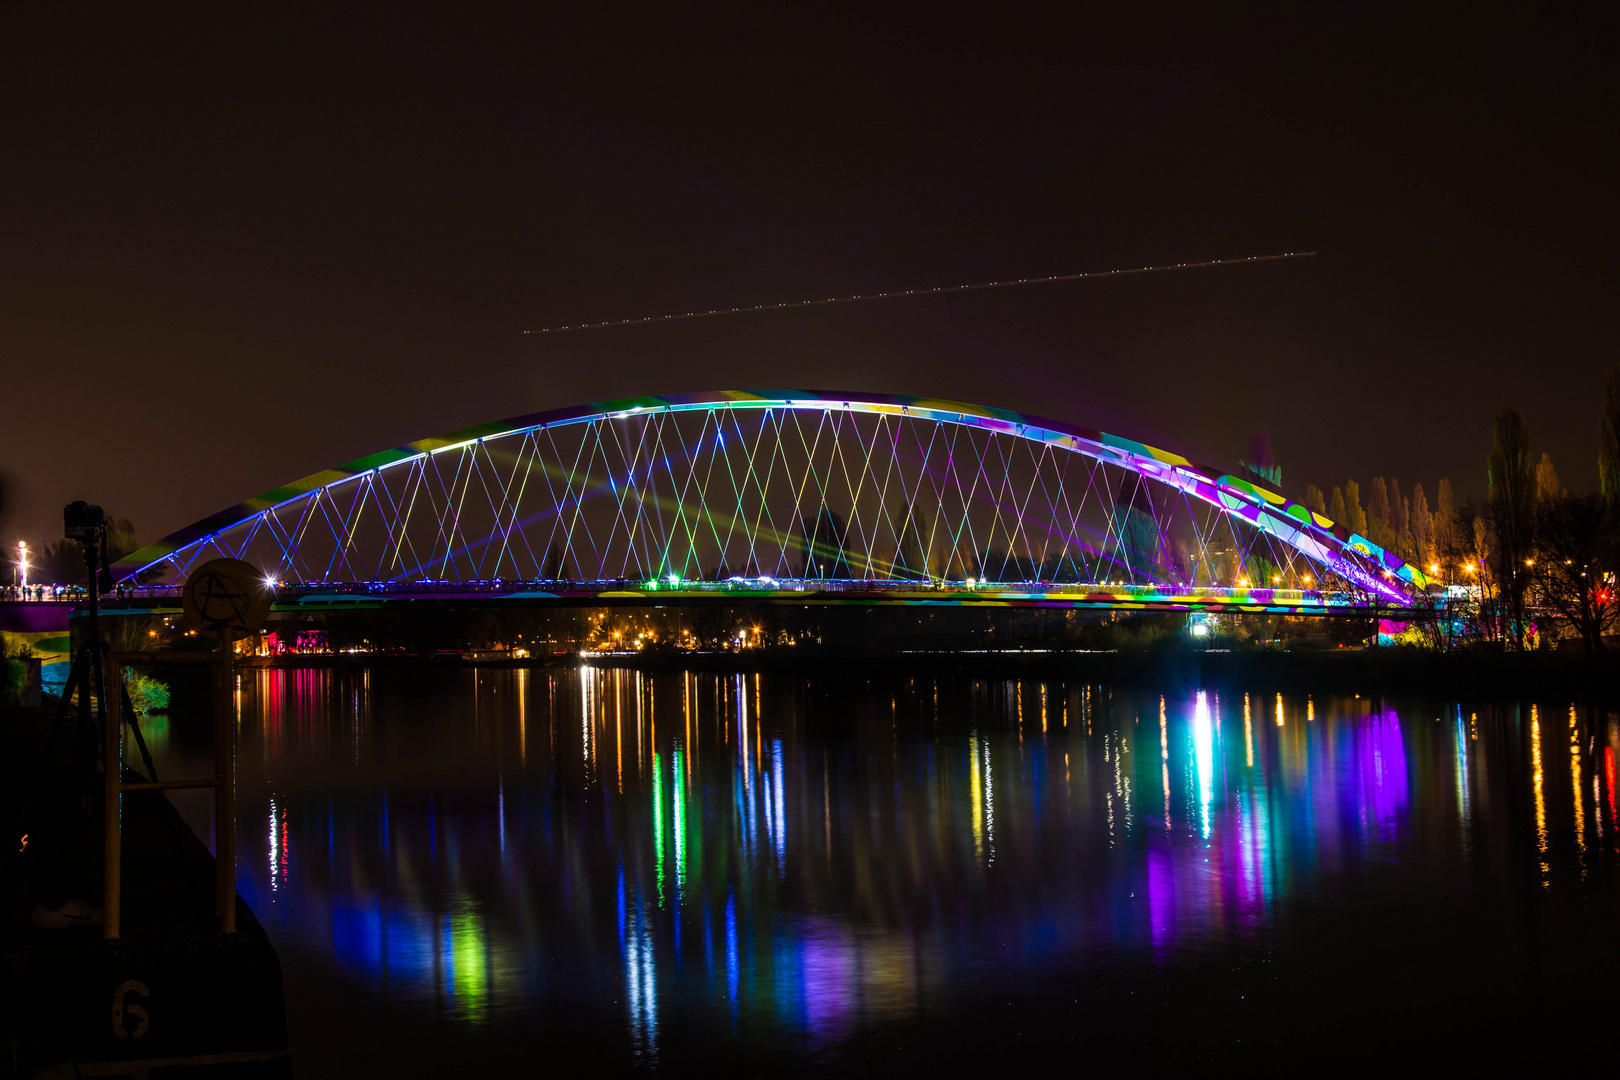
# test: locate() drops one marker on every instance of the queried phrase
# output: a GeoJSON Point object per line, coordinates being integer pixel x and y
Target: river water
{"type": "Point", "coordinates": [474, 870]}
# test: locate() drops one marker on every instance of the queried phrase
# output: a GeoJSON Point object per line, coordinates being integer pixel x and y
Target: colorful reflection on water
{"type": "Point", "coordinates": [795, 860]}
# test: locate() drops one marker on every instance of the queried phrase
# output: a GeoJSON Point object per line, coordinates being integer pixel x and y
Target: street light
{"type": "Point", "coordinates": [22, 564]}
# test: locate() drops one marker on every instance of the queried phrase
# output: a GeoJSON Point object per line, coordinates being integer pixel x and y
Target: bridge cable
{"type": "Point", "coordinates": [936, 290]}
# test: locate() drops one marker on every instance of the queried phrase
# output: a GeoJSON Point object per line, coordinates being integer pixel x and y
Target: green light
{"type": "Point", "coordinates": [469, 957]}
{"type": "Point", "coordinates": [658, 824]}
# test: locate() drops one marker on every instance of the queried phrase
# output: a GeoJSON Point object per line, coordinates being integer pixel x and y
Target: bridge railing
{"type": "Point", "coordinates": [1092, 592]}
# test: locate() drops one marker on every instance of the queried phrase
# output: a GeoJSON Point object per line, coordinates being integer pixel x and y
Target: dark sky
{"type": "Point", "coordinates": [234, 254]}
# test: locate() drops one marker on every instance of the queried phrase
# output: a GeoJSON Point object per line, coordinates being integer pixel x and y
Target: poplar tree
{"type": "Point", "coordinates": [1512, 503]}
{"type": "Point", "coordinates": [1445, 516]}
{"type": "Point", "coordinates": [1609, 442]}
{"type": "Point", "coordinates": [1355, 519]}
{"type": "Point", "coordinates": [1378, 526]}
{"type": "Point", "coordinates": [1547, 486]}
{"type": "Point", "coordinates": [1423, 540]}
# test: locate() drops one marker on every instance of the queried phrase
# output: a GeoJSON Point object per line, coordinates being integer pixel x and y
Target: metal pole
{"type": "Point", "coordinates": [225, 792]}
{"type": "Point", "coordinates": [113, 772]}
{"type": "Point", "coordinates": [104, 676]}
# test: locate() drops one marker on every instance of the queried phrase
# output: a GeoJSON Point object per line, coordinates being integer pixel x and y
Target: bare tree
{"type": "Point", "coordinates": [1573, 573]}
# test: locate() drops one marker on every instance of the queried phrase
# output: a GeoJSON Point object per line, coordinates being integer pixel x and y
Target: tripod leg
{"type": "Point", "coordinates": [135, 725]}
{"type": "Point", "coordinates": [75, 676]}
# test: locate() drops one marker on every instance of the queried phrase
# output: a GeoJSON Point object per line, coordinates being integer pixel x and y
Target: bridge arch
{"type": "Point", "coordinates": [786, 485]}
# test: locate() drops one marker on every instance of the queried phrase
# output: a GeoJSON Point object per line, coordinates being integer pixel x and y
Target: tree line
{"type": "Point", "coordinates": [1529, 564]}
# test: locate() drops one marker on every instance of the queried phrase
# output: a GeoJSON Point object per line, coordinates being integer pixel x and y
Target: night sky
{"type": "Point", "coordinates": [232, 255]}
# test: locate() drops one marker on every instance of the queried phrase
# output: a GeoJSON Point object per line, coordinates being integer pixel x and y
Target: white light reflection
{"type": "Point", "coordinates": [640, 972]}
{"type": "Point", "coordinates": [587, 749]}
{"type": "Point", "coordinates": [989, 808]}
{"type": "Point", "coordinates": [275, 848]}
{"type": "Point", "coordinates": [1204, 754]}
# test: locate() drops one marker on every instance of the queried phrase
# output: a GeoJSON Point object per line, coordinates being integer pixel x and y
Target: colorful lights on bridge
{"type": "Point", "coordinates": [621, 490]}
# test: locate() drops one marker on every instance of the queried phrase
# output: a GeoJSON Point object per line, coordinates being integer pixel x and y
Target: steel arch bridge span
{"type": "Point", "coordinates": [787, 490]}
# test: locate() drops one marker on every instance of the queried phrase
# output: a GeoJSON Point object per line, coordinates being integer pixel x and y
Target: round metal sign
{"type": "Point", "coordinates": [226, 599]}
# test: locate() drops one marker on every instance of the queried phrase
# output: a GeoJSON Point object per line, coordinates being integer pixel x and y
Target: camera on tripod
{"type": "Point", "coordinates": [83, 522]}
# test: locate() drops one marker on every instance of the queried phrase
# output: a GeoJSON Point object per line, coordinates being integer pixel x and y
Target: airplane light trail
{"type": "Point", "coordinates": [935, 291]}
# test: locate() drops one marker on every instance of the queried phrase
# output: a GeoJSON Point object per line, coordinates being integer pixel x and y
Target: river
{"type": "Point", "coordinates": [468, 870]}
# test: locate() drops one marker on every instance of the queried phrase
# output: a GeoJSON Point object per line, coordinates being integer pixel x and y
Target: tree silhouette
{"type": "Point", "coordinates": [1512, 503]}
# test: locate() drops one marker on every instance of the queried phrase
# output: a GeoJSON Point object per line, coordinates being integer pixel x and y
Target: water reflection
{"type": "Point", "coordinates": [749, 855]}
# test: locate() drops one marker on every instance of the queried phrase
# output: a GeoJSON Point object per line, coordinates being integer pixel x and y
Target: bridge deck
{"type": "Point", "coordinates": [1089, 596]}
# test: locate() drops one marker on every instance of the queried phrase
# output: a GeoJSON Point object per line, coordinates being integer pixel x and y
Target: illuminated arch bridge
{"type": "Point", "coordinates": [783, 494]}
